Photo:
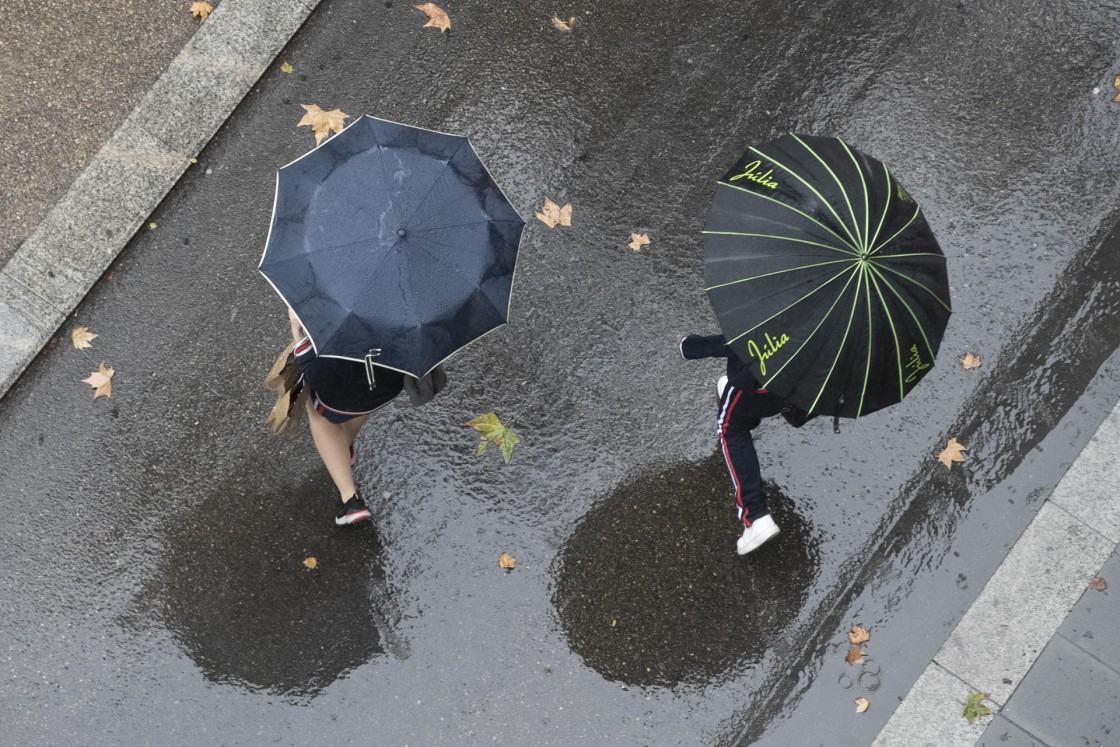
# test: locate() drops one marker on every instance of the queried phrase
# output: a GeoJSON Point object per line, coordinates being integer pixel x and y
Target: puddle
{"type": "Point", "coordinates": [649, 589]}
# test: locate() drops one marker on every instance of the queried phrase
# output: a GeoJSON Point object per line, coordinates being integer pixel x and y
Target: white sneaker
{"type": "Point", "coordinates": [756, 534]}
{"type": "Point", "coordinates": [721, 384]}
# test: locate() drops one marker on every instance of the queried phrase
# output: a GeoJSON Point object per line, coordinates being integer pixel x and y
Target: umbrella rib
{"type": "Point", "coordinates": [854, 241]}
{"type": "Point", "coordinates": [915, 282]}
{"type": "Point", "coordinates": [840, 238]}
{"type": "Point", "coordinates": [894, 333]}
{"type": "Point", "coordinates": [886, 207]}
{"type": "Point", "coordinates": [815, 329]}
{"type": "Point", "coordinates": [870, 333]}
{"type": "Point", "coordinates": [855, 223]}
{"type": "Point", "coordinates": [444, 262]}
{"type": "Point", "coordinates": [866, 198]}
{"type": "Point", "coordinates": [885, 257]}
{"type": "Point", "coordinates": [781, 238]}
{"type": "Point", "coordinates": [909, 309]}
{"type": "Point", "coordinates": [843, 342]}
{"type": "Point", "coordinates": [896, 233]}
{"type": "Point", "coordinates": [779, 272]}
{"type": "Point", "coordinates": [432, 186]}
{"type": "Point", "coordinates": [429, 229]}
{"type": "Point", "coordinates": [779, 313]}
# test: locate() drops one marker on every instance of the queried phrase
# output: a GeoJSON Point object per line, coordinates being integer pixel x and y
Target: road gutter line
{"type": "Point", "coordinates": [1021, 607]}
{"type": "Point", "coordinates": [54, 269]}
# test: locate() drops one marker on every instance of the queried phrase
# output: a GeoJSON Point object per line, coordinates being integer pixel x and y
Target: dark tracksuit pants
{"type": "Point", "coordinates": [738, 416]}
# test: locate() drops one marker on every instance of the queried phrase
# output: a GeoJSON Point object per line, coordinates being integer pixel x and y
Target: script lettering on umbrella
{"type": "Point", "coordinates": [766, 352]}
{"type": "Point", "coordinates": [750, 173]}
{"type": "Point", "coordinates": [915, 365]}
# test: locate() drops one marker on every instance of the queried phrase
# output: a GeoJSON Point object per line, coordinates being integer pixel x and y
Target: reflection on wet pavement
{"type": "Point", "coordinates": [236, 594]}
{"type": "Point", "coordinates": [649, 589]}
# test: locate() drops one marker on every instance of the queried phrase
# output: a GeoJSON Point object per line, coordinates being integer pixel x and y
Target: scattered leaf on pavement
{"type": "Point", "coordinates": [311, 563]}
{"type": "Point", "coordinates": [638, 240]}
{"type": "Point", "coordinates": [553, 215]}
{"type": "Point", "coordinates": [321, 122]}
{"type": "Point", "coordinates": [286, 67]}
{"type": "Point", "coordinates": [493, 431]}
{"type": "Point", "coordinates": [201, 10]}
{"type": "Point", "coordinates": [507, 561]}
{"type": "Point", "coordinates": [1096, 583]}
{"type": "Point", "coordinates": [437, 16]}
{"type": "Point", "coordinates": [971, 360]}
{"type": "Point", "coordinates": [858, 634]}
{"type": "Point", "coordinates": [564, 25]}
{"type": "Point", "coordinates": [974, 708]}
{"type": "Point", "coordinates": [951, 453]}
{"type": "Point", "coordinates": [102, 381]}
{"type": "Point", "coordinates": [153, 226]}
{"type": "Point", "coordinates": [1116, 84]}
{"type": "Point", "coordinates": [855, 655]}
{"type": "Point", "coordinates": [862, 704]}
{"type": "Point", "coordinates": [81, 337]}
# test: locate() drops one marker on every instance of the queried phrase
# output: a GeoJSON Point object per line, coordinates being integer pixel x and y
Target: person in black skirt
{"type": "Point", "coordinates": [743, 403]}
{"type": "Point", "coordinates": [341, 398]}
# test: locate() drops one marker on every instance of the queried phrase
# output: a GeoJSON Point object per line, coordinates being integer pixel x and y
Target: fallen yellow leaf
{"type": "Point", "coordinates": [201, 10]}
{"type": "Point", "coordinates": [102, 381]}
{"type": "Point", "coordinates": [81, 336]}
{"type": "Point", "coordinates": [437, 16]}
{"type": "Point", "coordinates": [951, 453]}
{"type": "Point", "coordinates": [311, 563]}
{"type": "Point", "coordinates": [507, 561]}
{"type": "Point", "coordinates": [1116, 84]}
{"type": "Point", "coordinates": [971, 360]}
{"type": "Point", "coordinates": [638, 240]}
{"type": "Point", "coordinates": [858, 634]}
{"type": "Point", "coordinates": [552, 215]}
{"type": "Point", "coordinates": [322, 122]}
{"type": "Point", "coordinates": [564, 25]}
{"type": "Point", "coordinates": [286, 67]}
{"type": "Point", "coordinates": [862, 704]}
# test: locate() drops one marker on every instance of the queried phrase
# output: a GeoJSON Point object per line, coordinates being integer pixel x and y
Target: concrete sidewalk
{"type": "Point", "coordinates": [1041, 640]}
{"type": "Point", "coordinates": [108, 201]}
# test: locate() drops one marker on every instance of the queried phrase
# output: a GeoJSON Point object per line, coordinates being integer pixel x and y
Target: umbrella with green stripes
{"type": "Point", "coordinates": [824, 275]}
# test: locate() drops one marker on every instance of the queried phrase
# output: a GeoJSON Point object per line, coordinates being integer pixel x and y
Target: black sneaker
{"type": "Point", "coordinates": [352, 511]}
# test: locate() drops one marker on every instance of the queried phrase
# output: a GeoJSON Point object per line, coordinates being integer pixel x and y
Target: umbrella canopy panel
{"type": "Point", "coordinates": [394, 239]}
{"type": "Point", "coordinates": [824, 275]}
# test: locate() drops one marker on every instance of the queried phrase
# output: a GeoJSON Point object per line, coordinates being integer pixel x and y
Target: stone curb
{"type": "Point", "coordinates": [1021, 607]}
{"type": "Point", "coordinates": [83, 233]}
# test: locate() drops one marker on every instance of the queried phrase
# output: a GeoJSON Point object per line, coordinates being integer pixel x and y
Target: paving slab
{"type": "Point", "coordinates": [26, 323]}
{"type": "Point", "coordinates": [1003, 733]}
{"type": "Point", "coordinates": [1094, 622]}
{"type": "Point", "coordinates": [1092, 492]}
{"type": "Point", "coordinates": [932, 714]}
{"type": "Point", "coordinates": [1024, 602]}
{"type": "Point", "coordinates": [1068, 698]}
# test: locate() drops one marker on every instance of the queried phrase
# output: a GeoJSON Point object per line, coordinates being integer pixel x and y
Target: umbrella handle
{"type": "Point", "coordinates": [371, 375]}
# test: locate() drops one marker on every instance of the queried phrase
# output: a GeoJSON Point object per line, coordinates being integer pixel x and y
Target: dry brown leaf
{"type": "Point", "coordinates": [321, 122]}
{"type": "Point", "coordinates": [310, 563]}
{"type": "Point", "coordinates": [1096, 583]}
{"type": "Point", "coordinates": [855, 655]}
{"type": "Point", "coordinates": [553, 215]}
{"type": "Point", "coordinates": [862, 704]}
{"type": "Point", "coordinates": [201, 10]}
{"type": "Point", "coordinates": [638, 240]}
{"type": "Point", "coordinates": [437, 16]}
{"type": "Point", "coordinates": [858, 634]}
{"type": "Point", "coordinates": [564, 25]}
{"type": "Point", "coordinates": [951, 453]}
{"type": "Point", "coordinates": [507, 561]}
{"type": "Point", "coordinates": [971, 360]}
{"type": "Point", "coordinates": [1116, 84]}
{"type": "Point", "coordinates": [102, 381]}
{"type": "Point", "coordinates": [81, 336]}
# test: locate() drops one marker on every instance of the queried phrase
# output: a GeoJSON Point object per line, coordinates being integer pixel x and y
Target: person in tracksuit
{"type": "Point", "coordinates": [341, 397]}
{"type": "Point", "coordinates": [742, 405]}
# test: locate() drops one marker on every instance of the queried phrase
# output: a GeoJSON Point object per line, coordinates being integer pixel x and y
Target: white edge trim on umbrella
{"type": "Point", "coordinates": [513, 275]}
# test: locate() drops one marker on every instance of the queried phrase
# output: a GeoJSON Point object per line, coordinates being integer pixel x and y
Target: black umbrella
{"type": "Point", "coordinates": [393, 245]}
{"type": "Point", "coordinates": [826, 278]}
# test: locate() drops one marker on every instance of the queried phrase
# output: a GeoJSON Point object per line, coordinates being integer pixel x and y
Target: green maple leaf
{"type": "Point", "coordinates": [493, 431]}
{"type": "Point", "coordinates": [974, 707]}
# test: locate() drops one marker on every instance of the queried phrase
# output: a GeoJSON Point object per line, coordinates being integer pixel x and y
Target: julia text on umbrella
{"type": "Point", "coordinates": [772, 346]}
{"type": "Point", "coordinates": [751, 174]}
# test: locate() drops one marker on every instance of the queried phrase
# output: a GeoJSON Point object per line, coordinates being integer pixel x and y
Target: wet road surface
{"type": "Point", "coordinates": [154, 542]}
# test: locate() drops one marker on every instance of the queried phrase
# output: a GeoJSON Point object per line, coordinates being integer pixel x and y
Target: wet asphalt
{"type": "Point", "coordinates": [153, 543]}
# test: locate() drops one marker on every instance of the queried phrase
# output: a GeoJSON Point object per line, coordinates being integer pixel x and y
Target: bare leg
{"type": "Point", "coordinates": [353, 426]}
{"type": "Point", "coordinates": [333, 442]}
